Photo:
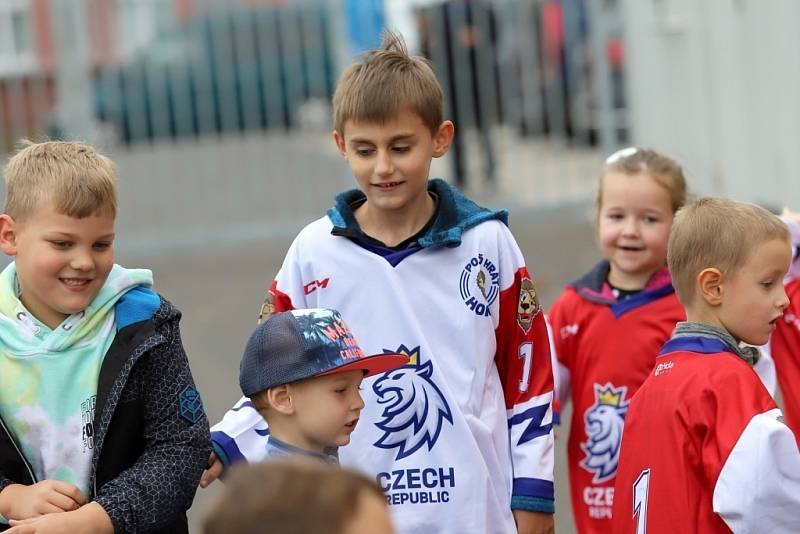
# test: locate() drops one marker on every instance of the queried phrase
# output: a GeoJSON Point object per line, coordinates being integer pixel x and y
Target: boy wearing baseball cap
{"type": "Point", "coordinates": [302, 370]}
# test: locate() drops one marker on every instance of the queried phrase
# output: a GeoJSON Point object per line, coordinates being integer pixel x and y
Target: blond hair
{"type": "Point", "coordinates": [720, 233]}
{"type": "Point", "coordinates": [73, 176]}
{"type": "Point", "coordinates": [293, 496]}
{"type": "Point", "coordinates": [664, 170]}
{"type": "Point", "coordinates": [385, 82]}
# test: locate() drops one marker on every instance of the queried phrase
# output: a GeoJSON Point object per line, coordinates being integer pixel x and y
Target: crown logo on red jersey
{"type": "Point", "coordinates": [608, 397]}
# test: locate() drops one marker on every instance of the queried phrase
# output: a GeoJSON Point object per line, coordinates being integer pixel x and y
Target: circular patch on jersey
{"type": "Point", "coordinates": [480, 284]}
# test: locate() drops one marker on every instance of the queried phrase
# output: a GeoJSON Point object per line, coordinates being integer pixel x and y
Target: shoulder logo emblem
{"type": "Point", "coordinates": [604, 421]}
{"type": "Point", "coordinates": [268, 308]}
{"type": "Point", "coordinates": [414, 407]}
{"type": "Point", "coordinates": [480, 284]}
{"type": "Point", "coordinates": [191, 405]}
{"type": "Point", "coordinates": [528, 305]}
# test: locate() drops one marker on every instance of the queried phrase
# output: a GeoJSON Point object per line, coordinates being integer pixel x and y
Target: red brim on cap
{"type": "Point", "coordinates": [372, 365]}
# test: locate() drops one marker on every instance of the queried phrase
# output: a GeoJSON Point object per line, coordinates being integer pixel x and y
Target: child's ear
{"type": "Point", "coordinates": [709, 282]}
{"type": "Point", "coordinates": [443, 138]}
{"type": "Point", "coordinates": [280, 399]}
{"type": "Point", "coordinates": [8, 235]}
{"type": "Point", "coordinates": [339, 140]}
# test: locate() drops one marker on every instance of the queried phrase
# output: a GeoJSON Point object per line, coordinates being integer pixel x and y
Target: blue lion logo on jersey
{"type": "Point", "coordinates": [604, 423]}
{"type": "Point", "coordinates": [415, 408]}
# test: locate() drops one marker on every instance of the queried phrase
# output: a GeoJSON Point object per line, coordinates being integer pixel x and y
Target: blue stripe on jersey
{"type": "Point", "coordinates": [533, 487]}
{"type": "Point", "coordinates": [701, 344]}
{"type": "Point", "coordinates": [640, 299]}
{"type": "Point", "coordinates": [535, 428]}
{"type": "Point", "coordinates": [394, 257]}
{"type": "Point", "coordinates": [221, 440]}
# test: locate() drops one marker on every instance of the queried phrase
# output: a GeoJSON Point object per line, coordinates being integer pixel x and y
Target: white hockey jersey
{"type": "Point", "coordinates": [466, 427]}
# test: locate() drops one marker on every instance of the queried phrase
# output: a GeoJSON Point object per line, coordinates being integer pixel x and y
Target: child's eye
{"type": "Point", "coordinates": [102, 246]}
{"type": "Point", "coordinates": [340, 391]}
{"type": "Point", "coordinates": [364, 152]}
{"type": "Point", "coordinates": [61, 244]}
{"type": "Point", "coordinates": [614, 216]}
{"type": "Point", "coordinates": [402, 149]}
{"type": "Point", "coordinates": [767, 284]}
{"type": "Point", "coordinates": [651, 220]}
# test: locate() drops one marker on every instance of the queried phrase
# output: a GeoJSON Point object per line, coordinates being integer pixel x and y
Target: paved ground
{"type": "Point", "coordinates": [220, 289]}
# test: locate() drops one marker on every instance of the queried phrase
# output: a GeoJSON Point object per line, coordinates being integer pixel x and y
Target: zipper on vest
{"type": "Point", "coordinates": [19, 452]}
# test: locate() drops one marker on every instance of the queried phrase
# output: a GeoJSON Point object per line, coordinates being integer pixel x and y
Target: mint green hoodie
{"type": "Point", "coordinates": [48, 377]}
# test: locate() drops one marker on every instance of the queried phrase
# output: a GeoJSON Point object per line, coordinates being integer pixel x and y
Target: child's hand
{"type": "Point", "coordinates": [45, 497]}
{"type": "Point", "coordinates": [533, 522]}
{"type": "Point", "coordinates": [89, 519]}
{"type": "Point", "coordinates": [212, 472]}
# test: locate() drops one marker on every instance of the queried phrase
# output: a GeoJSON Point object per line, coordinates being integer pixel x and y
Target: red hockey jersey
{"type": "Point", "coordinates": [785, 345]}
{"type": "Point", "coordinates": [704, 450]}
{"type": "Point", "coordinates": [605, 350]}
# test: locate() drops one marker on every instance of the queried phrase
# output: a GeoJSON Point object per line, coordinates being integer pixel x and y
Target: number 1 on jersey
{"type": "Point", "coordinates": [526, 354]}
{"type": "Point", "coordinates": [640, 489]}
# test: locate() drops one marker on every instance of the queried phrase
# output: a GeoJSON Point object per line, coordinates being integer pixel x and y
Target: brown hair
{"type": "Point", "coordinates": [716, 232]}
{"type": "Point", "coordinates": [664, 170]}
{"type": "Point", "coordinates": [260, 402]}
{"type": "Point", "coordinates": [74, 177]}
{"type": "Point", "coordinates": [385, 82]}
{"type": "Point", "coordinates": [294, 496]}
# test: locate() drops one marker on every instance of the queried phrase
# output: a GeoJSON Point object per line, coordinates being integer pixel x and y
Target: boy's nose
{"type": "Point", "coordinates": [783, 300]}
{"type": "Point", "coordinates": [81, 261]}
{"type": "Point", "coordinates": [359, 402]}
{"type": "Point", "coordinates": [383, 165]}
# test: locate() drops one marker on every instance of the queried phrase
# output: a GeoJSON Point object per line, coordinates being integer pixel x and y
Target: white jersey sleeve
{"type": "Point", "coordinates": [765, 369]}
{"type": "Point", "coordinates": [758, 489]}
{"type": "Point", "coordinates": [524, 362]}
{"type": "Point", "coordinates": [561, 374]}
{"type": "Point", "coordinates": [242, 433]}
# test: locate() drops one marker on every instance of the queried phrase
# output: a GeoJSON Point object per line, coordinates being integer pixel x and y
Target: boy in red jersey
{"type": "Point", "coordinates": [703, 437]}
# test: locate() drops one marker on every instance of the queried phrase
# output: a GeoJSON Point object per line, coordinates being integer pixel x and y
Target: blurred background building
{"type": "Point", "coordinates": [217, 113]}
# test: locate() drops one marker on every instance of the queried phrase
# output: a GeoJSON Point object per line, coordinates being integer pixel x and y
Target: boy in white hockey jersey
{"type": "Point", "coordinates": [461, 438]}
{"type": "Point", "coordinates": [702, 435]}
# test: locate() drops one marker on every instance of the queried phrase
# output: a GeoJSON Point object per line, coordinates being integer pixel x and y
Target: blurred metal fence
{"type": "Point", "coordinates": [217, 112]}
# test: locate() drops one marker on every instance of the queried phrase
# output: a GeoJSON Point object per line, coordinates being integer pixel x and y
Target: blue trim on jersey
{"type": "Point", "coordinates": [533, 487]}
{"type": "Point", "coordinates": [394, 257]}
{"type": "Point", "coordinates": [590, 285]}
{"type": "Point", "coordinates": [456, 215]}
{"type": "Point", "coordinates": [138, 304]}
{"type": "Point", "coordinates": [221, 440]}
{"type": "Point", "coordinates": [533, 504]}
{"type": "Point", "coordinates": [700, 344]}
{"type": "Point", "coordinates": [640, 299]}
{"type": "Point", "coordinates": [535, 428]}
{"type": "Point", "coordinates": [221, 455]}
{"type": "Point", "coordinates": [245, 404]}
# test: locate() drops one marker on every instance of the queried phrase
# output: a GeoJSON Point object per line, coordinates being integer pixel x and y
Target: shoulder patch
{"type": "Point", "coordinates": [528, 305]}
{"type": "Point", "coordinates": [191, 405]}
{"type": "Point", "coordinates": [268, 308]}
